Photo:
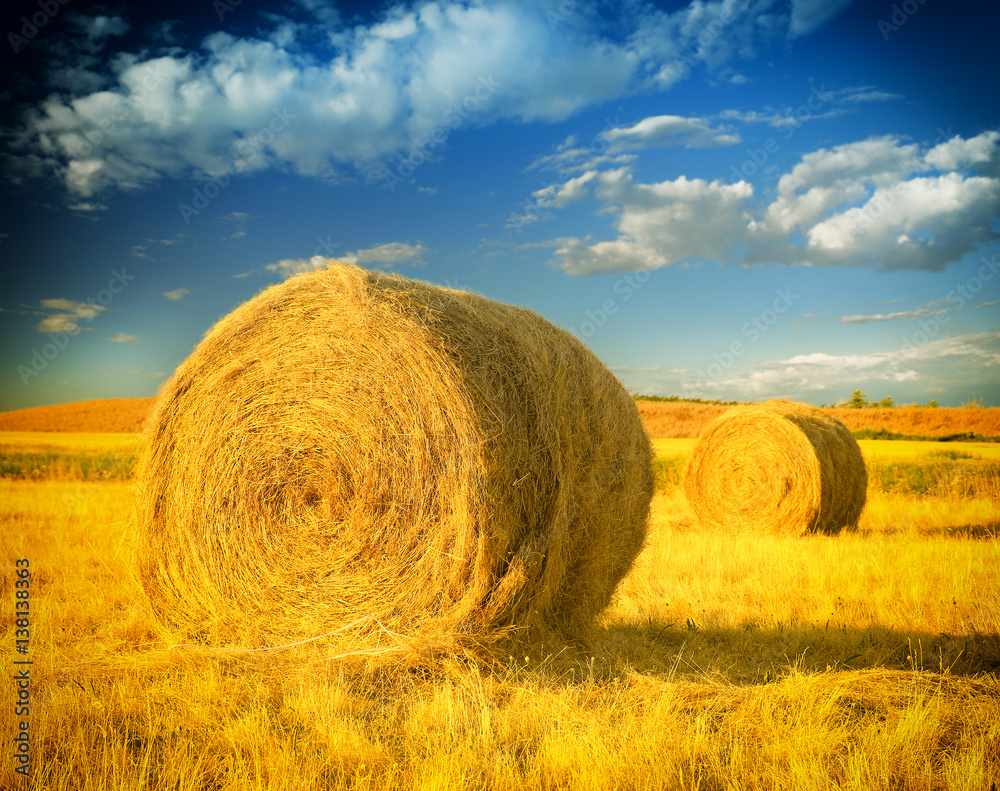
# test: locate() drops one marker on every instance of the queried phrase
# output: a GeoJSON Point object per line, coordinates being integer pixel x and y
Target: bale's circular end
{"type": "Point", "coordinates": [778, 467]}
{"type": "Point", "coordinates": [355, 447]}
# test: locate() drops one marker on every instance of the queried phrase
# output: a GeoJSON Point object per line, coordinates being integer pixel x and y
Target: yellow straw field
{"type": "Point", "coordinates": [862, 660]}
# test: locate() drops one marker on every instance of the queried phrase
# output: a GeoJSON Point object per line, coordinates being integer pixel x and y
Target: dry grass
{"type": "Point", "coordinates": [866, 660]}
{"type": "Point", "coordinates": [923, 421]}
{"type": "Point", "coordinates": [113, 415]}
{"type": "Point", "coordinates": [413, 467]}
{"type": "Point", "coordinates": [41, 440]}
{"type": "Point", "coordinates": [677, 419]}
{"type": "Point", "coordinates": [778, 467]}
{"type": "Point", "coordinates": [665, 420]}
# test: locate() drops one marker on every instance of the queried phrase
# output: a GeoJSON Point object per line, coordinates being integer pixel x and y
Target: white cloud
{"type": "Point", "coordinates": [559, 195]}
{"type": "Point", "coordinates": [122, 337]}
{"type": "Point", "coordinates": [177, 293]}
{"type": "Point", "coordinates": [827, 178]}
{"type": "Point", "coordinates": [97, 29]}
{"type": "Point", "coordinates": [907, 373]}
{"type": "Point", "coordinates": [73, 313]}
{"type": "Point", "coordinates": [239, 219]}
{"type": "Point", "coordinates": [900, 314]}
{"type": "Point", "coordinates": [980, 153]}
{"type": "Point", "coordinates": [817, 103]}
{"type": "Point", "coordinates": [863, 204]}
{"type": "Point", "coordinates": [660, 224]}
{"type": "Point", "coordinates": [389, 86]}
{"type": "Point", "coordinates": [392, 254]}
{"type": "Point", "coordinates": [667, 130]}
{"type": "Point", "coordinates": [380, 256]}
{"type": "Point", "coordinates": [809, 15]}
{"type": "Point", "coordinates": [294, 266]}
{"type": "Point", "coordinates": [923, 223]}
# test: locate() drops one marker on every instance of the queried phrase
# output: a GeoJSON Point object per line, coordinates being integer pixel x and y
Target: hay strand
{"type": "Point", "coordinates": [778, 467]}
{"type": "Point", "coordinates": [352, 444]}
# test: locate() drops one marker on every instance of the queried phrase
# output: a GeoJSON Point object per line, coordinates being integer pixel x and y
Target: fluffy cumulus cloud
{"type": "Point", "coordinates": [660, 224]}
{"type": "Point", "coordinates": [382, 256]}
{"type": "Point", "coordinates": [387, 255]}
{"type": "Point", "coordinates": [68, 316]}
{"type": "Point", "coordinates": [287, 267]}
{"type": "Point", "coordinates": [372, 91]}
{"type": "Point", "coordinates": [880, 203]}
{"type": "Point", "coordinates": [663, 130]}
{"type": "Point", "coordinates": [913, 372]}
{"type": "Point", "coordinates": [917, 313]}
{"type": "Point", "coordinates": [826, 178]}
{"type": "Point", "coordinates": [922, 223]}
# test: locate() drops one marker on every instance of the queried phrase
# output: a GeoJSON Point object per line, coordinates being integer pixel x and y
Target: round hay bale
{"type": "Point", "coordinates": [352, 446]}
{"type": "Point", "coordinates": [778, 467]}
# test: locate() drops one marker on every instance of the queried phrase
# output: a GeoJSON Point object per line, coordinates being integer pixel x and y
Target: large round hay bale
{"type": "Point", "coordinates": [777, 467]}
{"type": "Point", "coordinates": [352, 445]}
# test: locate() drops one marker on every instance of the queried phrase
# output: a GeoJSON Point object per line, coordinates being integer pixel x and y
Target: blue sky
{"type": "Point", "coordinates": [735, 200]}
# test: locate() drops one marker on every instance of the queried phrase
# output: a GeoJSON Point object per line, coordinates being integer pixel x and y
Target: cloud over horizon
{"type": "Point", "coordinates": [909, 373]}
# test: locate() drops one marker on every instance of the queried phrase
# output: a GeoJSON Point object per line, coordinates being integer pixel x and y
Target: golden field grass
{"type": "Point", "coordinates": [866, 660]}
{"type": "Point", "coordinates": [125, 415]}
{"type": "Point", "coordinates": [681, 419]}
{"type": "Point", "coordinates": [662, 419]}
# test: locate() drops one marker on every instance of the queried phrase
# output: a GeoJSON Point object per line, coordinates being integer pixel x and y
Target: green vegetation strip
{"type": "Point", "coordinates": [47, 462]}
{"type": "Point", "coordinates": [881, 433]}
{"type": "Point", "coordinates": [943, 473]}
{"type": "Point", "coordinates": [946, 474]}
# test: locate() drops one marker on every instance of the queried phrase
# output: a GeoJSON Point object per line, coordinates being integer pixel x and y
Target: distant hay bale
{"type": "Point", "coordinates": [778, 467]}
{"type": "Point", "coordinates": [352, 445]}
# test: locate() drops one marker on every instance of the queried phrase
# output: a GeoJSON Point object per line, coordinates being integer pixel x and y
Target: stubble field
{"type": "Point", "coordinates": [865, 660]}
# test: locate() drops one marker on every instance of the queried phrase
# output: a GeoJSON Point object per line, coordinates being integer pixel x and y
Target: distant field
{"type": "Point", "coordinates": [679, 419]}
{"type": "Point", "coordinates": [114, 415]}
{"type": "Point", "coordinates": [662, 419]}
{"type": "Point", "coordinates": [70, 440]}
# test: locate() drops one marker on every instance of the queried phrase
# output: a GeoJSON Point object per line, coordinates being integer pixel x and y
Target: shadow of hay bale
{"type": "Point", "coordinates": [422, 465]}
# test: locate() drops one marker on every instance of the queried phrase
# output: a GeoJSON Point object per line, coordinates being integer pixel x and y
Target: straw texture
{"type": "Point", "coordinates": [777, 467]}
{"type": "Point", "coordinates": [356, 447]}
